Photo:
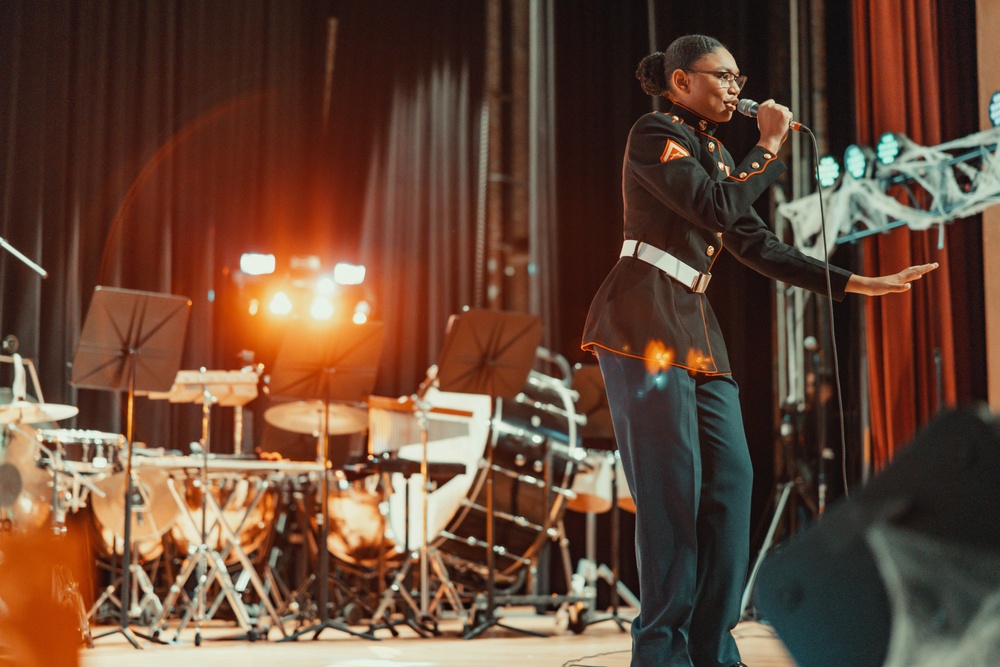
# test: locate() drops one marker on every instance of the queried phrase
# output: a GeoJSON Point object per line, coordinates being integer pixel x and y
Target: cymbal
{"type": "Point", "coordinates": [307, 417]}
{"type": "Point", "coordinates": [23, 412]}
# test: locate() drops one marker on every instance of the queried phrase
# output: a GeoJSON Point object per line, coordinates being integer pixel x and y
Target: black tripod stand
{"type": "Point", "coordinates": [489, 352]}
{"type": "Point", "coordinates": [327, 364]}
{"type": "Point", "coordinates": [790, 497]}
{"type": "Point", "coordinates": [131, 341]}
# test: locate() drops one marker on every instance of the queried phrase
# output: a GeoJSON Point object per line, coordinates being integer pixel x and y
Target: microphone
{"type": "Point", "coordinates": [749, 108]}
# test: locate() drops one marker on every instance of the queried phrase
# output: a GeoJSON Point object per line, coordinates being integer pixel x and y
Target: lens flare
{"type": "Point", "coordinates": [322, 308]}
{"type": "Point", "coordinates": [658, 357]}
{"type": "Point", "coordinates": [280, 304]}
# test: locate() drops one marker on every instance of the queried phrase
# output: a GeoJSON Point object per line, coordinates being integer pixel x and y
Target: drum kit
{"type": "Point", "coordinates": [459, 494]}
{"type": "Point", "coordinates": [42, 476]}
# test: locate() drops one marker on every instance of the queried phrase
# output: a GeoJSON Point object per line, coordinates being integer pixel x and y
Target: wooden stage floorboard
{"type": "Point", "coordinates": [602, 645]}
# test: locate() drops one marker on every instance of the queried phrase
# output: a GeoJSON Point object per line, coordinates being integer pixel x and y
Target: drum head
{"type": "Point", "coordinates": [357, 526]}
{"type": "Point", "coordinates": [153, 509]}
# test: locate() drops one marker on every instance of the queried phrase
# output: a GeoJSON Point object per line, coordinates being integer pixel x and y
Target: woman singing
{"type": "Point", "coordinates": [674, 403]}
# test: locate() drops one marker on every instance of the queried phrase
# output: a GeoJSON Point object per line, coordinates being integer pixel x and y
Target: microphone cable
{"type": "Point", "coordinates": [833, 331]}
{"type": "Point", "coordinates": [748, 107]}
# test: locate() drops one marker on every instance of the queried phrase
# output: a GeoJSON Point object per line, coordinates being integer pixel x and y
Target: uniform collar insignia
{"type": "Point", "coordinates": [694, 120]}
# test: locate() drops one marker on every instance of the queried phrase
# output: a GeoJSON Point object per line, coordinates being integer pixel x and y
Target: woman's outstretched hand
{"type": "Point", "coordinates": [897, 282]}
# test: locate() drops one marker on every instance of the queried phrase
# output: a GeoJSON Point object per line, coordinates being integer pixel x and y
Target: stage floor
{"type": "Point", "coordinates": [602, 645]}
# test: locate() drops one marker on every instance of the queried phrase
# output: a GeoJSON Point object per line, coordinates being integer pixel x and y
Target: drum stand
{"type": "Point", "coordinates": [425, 621]}
{"type": "Point", "coordinates": [208, 564]}
{"type": "Point", "coordinates": [130, 599]}
{"type": "Point", "coordinates": [199, 556]}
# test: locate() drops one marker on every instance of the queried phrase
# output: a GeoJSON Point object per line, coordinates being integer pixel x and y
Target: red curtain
{"type": "Point", "coordinates": [909, 336]}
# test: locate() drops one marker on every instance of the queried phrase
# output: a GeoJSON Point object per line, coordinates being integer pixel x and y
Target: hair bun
{"type": "Point", "coordinates": [651, 74]}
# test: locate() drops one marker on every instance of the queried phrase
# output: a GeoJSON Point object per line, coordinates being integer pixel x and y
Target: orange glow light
{"type": "Point", "coordinates": [322, 308]}
{"type": "Point", "coordinates": [697, 359]}
{"type": "Point", "coordinates": [280, 304]}
{"type": "Point", "coordinates": [658, 356]}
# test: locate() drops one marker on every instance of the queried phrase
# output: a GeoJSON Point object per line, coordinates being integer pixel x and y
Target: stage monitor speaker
{"type": "Point", "coordinates": [905, 572]}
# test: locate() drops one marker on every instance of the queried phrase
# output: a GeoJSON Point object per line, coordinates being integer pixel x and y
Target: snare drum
{"type": "Point", "coordinates": [89, 451]}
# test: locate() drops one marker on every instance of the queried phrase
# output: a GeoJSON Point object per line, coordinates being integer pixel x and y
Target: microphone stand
{"type": "Point", "coordinates": [12, 250]}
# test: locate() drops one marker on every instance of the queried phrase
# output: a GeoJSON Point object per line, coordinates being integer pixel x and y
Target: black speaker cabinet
{"type": "Point", "coordinates": [822, 590]}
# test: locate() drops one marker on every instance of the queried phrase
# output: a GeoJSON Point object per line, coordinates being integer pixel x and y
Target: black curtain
{"type": "Point", "coordinates": [148, 145]}
{"type": "Point", "coordinates": [418, 212]}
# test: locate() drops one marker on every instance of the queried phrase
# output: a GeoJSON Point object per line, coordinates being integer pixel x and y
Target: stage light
{"type": "Point", "coordinates": [349, 274]}
{"type": "Point", "coordinates": [887, 148]}
{"type": "Point", "coordinates": [280, 304]}
{"type": "Point", "coordinates": [361, 312]}
{"type": "Point", "coordinates": [995, 109]}
{"type": "Point", "coordinates": [858, 160]}
{"type": "Point", "coordinates": [326, 285]}
{"type": "Point", "coordinates": [322, 308]}
{"type": "Point", "coordinates": [828, 171]}
{"type": "Point", "coordinates": [256, 264]}
{"type": "Point", "coordinates": [254, 306]}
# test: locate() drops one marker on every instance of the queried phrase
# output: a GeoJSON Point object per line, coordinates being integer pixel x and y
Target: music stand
{"type": "Point", "coordinates": [131, 341]}
{"type": "Point", "coordinates": [489, 352]}
{"type": "Point", "coordinates": [593, 402]}
{"type": "Point", "coordinates": [327, 363]}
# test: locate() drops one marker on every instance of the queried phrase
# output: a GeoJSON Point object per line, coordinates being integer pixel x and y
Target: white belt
{"type": "Point", "coordinates": [670, 265]}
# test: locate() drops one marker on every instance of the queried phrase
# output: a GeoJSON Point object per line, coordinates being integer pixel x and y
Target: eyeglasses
{"type": "Point", "coordinates": [726, 79]}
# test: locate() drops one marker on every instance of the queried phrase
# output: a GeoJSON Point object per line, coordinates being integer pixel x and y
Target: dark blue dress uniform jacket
{"type": "Point", "coordinates": [684, 194]}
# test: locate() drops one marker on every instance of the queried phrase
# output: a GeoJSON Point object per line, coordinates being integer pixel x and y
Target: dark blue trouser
{"type": "Point", "coordinates": [686, 461]}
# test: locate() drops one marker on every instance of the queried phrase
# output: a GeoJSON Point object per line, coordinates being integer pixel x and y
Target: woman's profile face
{"type": "Point", "coordinates": [704, 88]}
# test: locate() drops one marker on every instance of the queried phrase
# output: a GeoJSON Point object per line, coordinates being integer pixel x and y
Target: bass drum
{"type": "Point", "coordinates": [525, 513]}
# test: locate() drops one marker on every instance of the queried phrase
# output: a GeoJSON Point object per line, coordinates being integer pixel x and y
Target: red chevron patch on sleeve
{"type": "Point", "coordinates": [672, 151]}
